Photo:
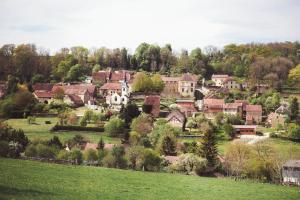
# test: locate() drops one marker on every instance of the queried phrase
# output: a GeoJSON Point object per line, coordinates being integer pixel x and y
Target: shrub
{"type": "Point", "coordinates": [273, 135]}
{"type": "Point", "coordinates": [64, 155]}
{"type": "Point", "coordinates": [133, 155]}
{"type": "Point", "coordinates": [31, 151]}
{"type": "Point", "coordinates": [44, 151]}
{"type": "Point", "coordinates": [47, 122]}
{"type": "Point", "coordinates": [118, 153]}
{"type": "Point", "coordinates": [258, 133]}
{"type": "Point", "coordinates": [76, 128]}
{"type": "Point", "coordinates": [4, 148]}
{"type": "Point", "coordinates": [55, 142]}
{"type": "Point", "coordinates": [76, 156]}
{"type": "Point", "coordinates": [109, 161]}
{"type": "Point", "coordinates": [31, 119]}
{"type": "Point", "coordinates": [150, 160]}
{"type": "Point", "coordinates": [189, 164]}
{"type": "Point", "coordinates": [90, 155]}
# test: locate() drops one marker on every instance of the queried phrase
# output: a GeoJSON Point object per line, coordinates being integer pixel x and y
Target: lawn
{"type": "Point", "coordinates": [42, 131]}
{"type": "Point", "coordinates": [34, 180]}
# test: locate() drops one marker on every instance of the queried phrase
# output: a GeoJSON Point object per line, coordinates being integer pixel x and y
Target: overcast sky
{"type": "Point", "coordinates": [126, 23]}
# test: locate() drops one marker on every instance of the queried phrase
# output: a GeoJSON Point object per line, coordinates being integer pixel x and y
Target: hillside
{"type": "Point", "coordinates": [34, 180]}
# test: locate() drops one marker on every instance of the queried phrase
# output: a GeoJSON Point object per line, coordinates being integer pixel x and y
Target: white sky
{"type": "Point", "coordinates": [53, 24]}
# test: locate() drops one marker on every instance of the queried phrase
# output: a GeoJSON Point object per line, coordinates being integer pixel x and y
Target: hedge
{"type": "Point", "coordinates": [76, 128]}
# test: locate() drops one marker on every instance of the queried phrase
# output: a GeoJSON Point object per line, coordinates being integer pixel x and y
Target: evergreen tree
{"type": "Point", "coordinates": [294, 109]}
{"type": "Point", "coordinates": [167, 145]}
{"type": "Point", "coordinates": [101, 144]}
{"type": "Point", "coordinates": [209, 144]}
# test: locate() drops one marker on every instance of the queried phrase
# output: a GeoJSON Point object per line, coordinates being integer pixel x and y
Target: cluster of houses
{"type": "Point", "coordinates": [115, 89]}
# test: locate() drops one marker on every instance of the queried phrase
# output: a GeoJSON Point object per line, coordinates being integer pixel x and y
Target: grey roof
{"type": "Point", "coordinates": [292, 163]}
{"type": "Point", "coordinates": [176, 113]}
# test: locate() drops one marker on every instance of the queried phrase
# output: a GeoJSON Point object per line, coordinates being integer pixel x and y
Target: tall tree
{"type": "Point", "coordinates": [209, 144]}
{"type": "Point", "coordinates": [294, 109]}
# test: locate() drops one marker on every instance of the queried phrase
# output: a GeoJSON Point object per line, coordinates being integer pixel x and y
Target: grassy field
{"type": "Point", "coordinates": [34, 180]}
{"type": "Point", "coordinates": [42, 131]}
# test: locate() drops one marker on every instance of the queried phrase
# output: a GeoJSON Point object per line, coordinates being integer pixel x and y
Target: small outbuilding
{"type": "Point", "coordinates": [291, 172]}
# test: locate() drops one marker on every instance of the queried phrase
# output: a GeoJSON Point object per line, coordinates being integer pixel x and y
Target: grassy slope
{"type": "Point", "coordinates": [34, 180]}
{"type": "Point", "coordinates": [41, 130]}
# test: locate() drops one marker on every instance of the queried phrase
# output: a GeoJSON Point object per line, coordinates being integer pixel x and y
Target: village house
{"type": "Point", "coordinates": [211, 107]}
{"type": "Point", "coordinates": [231, 83]}
{"type": "Point", "coordinates": [187, 85]}
{"type": "Point", "coordinates": [77, 94]}
{"type": "Point", "coordinates": [176, 119]}
{"type": "Point", "coordinates": [245, 129]}
{"type": "Point", "coordinates": [278, 117]}
{"type": "Point", "coordinates": [186, 106]}
{"type": "Point", "coordinates": [110, 89]}
{"type": "Point", "coordinates": [102, 77]}
{"type": "Point", "coordinates": [43, 96]}
{"type": "Point", "coordinates": [117, 99]}
{"type": "Point", "coordinates": [291, 172]}
{"type": "Point", "coordinates": [219, 79]}
{"type": "Point", "coordinates": [154, 102]}
{"type": "Point", "coordinates": [184, 86]}
{"type": "Point", "coordinates": [233, 109]}
{"type": "Point", "coordinates": [171, 86]}
{"type": "Point", "coordinates": [253, 114]}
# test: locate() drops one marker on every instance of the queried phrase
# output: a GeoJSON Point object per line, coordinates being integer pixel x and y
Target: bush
{"type": "Point", "coordinates": [273, 135]}
{"type": "Point", "coordinates": [4, 148]}
{"type": "Point", "coordinates": [189, 164]}
{"type": "Point", "coordinates": [90, 155]}
{"type": "Point", "coordinates": [258, 133]}
{"type": "Point", "coordinates": [44, 151]}
{"type": "Point", "coordinates": [31, 119]}
{"type": "Point", "coordinates": [76, 128]}
{"type": "Point", "coordinates": [109, 161]}
{"type": "Point", "coordinates": [150, 160]}
{"type": "Point", "coordinates": [47, 122]}
{"type": "Point", "coordinates": [31, 151]}
{"type": "Point", "coordinates": [76, 156]}
{"type": "Point", "coordinates": [64, 155]}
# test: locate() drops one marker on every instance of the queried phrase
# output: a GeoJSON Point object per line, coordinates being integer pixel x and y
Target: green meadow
{"type": "Point", "coordinates": [35, 180]}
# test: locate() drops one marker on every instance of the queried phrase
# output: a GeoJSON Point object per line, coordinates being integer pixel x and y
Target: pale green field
{"type": "Point", "coordinates": [41, 130]}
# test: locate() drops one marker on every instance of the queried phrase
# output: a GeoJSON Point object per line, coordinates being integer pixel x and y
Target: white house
{"type": "Point", "coordinates": [117, 99]}
{"type": "Point", "coordinates": [219, 79]}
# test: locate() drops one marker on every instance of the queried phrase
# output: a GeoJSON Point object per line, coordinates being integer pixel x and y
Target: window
{"type": "Point", "coordinates": [192, 89]}
{"type": "Point", "coordinates": [116, 99]}
{"type": "Point", "coordinates": [182, 89]}
{"type": "Point", "coordinates": [192, 84]}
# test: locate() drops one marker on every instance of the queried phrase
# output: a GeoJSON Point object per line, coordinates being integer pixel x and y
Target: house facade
{"type": "Point", "coordinates": [219, 79]}
{"type": "Point", "coordinates": [187, 85]}
{"type": "Point", "coordinates": [211, 107]}
{"type": "Point", "coordinates": [233, 109]}
{"type": "Point", "coordinates": [176, 119]}
{"type": "Point", "coordinates": [253, 114]}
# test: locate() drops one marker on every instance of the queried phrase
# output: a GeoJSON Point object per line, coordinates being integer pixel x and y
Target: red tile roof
{"type": "Point", "coordinates": [232, 105]}
{"type": "Point", "coordinates": [253, 108]}
{"type": "Point", "coordinates": [100, 76]}
{"type": "Point", "coordinates": [43, 94]}
{"type": "Point", "coordinates": [188, 77]}
{"type": "Point", "coordinates": [78, 89]}
{"type": "Point", "coordinates": [214, 102]}
{"type": "Point", "coordinates": [43, 86]}
{"type": "Point", "coordinates": [76, 99]}
{"type": "Point", "coordinates": [111, 86]}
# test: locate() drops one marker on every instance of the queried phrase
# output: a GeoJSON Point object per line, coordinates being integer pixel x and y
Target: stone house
{"type": "Point", "coordinates": [176, 119]}
{"type": "Point", "coordinates": [154, 101]}
{"type": "Point", "coordinates": [187, 85]}
{"type": "Point", "coordinates": [43, 96]}
{"type": "Point", "coordinates": [219, 79]}
{"type": "Point", "coordinates": [171, 86]}
{"type": "Point", "coordinates": [253, 114]}
{"type": "Point", "coordinates": [233, 109]}
{"type": "Point", "coordinates": [211, 107]}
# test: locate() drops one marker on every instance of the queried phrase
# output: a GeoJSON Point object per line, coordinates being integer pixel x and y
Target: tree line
{"type": "Point", "coordinates": [270, 62]}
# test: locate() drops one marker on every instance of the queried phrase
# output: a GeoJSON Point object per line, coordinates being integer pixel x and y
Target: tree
{"type": "Point", "coordinates": [115, 127]}
{"type": "Point", "coordinates": [293, 131]}
{"type": "Point", "coordinates": [143, 124]}
{"type": "Point", "coordinates": [76, 156]}
{"type": "Point", "coordinates": [209, 144]}
{"type": "Point", "coordinates": [229, 130]}
{"type": "Point", "coordinates": [294, 74]}
{"type": "Point", "coordinates": [129, 112]}
{"type": "Point", "coordinates": [157, 83]}
{"type": "Point", "coordinates": [142, 83]}
{"type": "Point", "coordinates": [37, 78]}
{"type": "Point", "coordinates": [118, 153]}
{"type": "Point", "coordinates": [294, 109]}
{"type": "Point", "coordinates": [55, 142]}
{"type": "Point", "coordinates": [90, 155]}
{"type": "Point", "coordinates": [167, 145]}
{"type": "Point", "coordinates": [12, 84]}
{"type": "Point", "coordinates": [96, 68]}
{"type": "Point", "coordinates": [101, 144]}
{"type": "Point", "coordinates": [76, 73]}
